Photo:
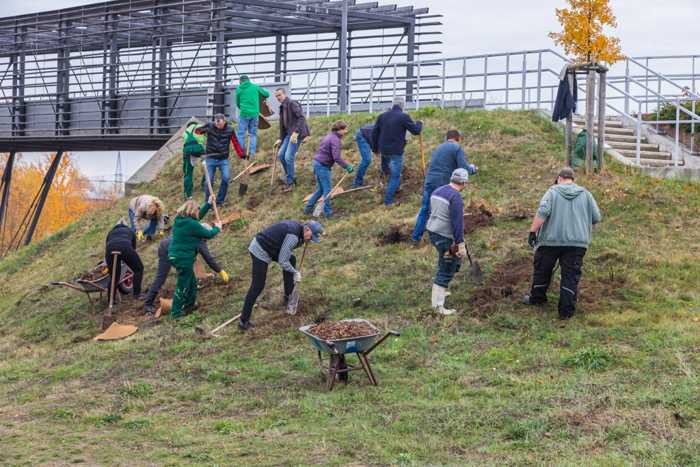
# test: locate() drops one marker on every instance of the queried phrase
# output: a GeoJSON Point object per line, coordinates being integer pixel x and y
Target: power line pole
{"type": "Point", "coordinates": [119, 176]}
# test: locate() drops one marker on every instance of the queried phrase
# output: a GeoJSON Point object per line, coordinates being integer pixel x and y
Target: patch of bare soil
{"type": "Point", "coordinates": [504, 283]}
{"type": "Point", "coordinates": [253, 202]}
{"type": "Point", "coordinates": [476, 218]}
{"type": "Point", "coordinates": [395, 234]}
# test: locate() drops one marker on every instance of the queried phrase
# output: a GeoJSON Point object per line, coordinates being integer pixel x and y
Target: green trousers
{"type": "Point", "coordinates": [188, 172]}
{"type": "Point", "coordinates": [186, 286]}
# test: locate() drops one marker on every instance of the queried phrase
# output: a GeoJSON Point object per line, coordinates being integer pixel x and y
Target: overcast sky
{"type": "Point", "coordinates": [646, 27]}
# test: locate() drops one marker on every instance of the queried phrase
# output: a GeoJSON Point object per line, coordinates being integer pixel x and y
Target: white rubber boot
{"type": "Point", "coordinates": [438, 301]}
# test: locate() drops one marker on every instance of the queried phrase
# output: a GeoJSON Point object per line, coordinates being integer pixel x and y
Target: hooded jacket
{"type": "Point", "coordinates": [248, 98]}
{"type": "Point", "coordinates": [569, 212]}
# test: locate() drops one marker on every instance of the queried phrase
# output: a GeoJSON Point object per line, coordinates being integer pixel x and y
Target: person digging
{"type": "Point", "coordinates": [122, 239]}
{"type": "Point", "coordinates": [193, 147]}
{"type": "Point", "coordinates": [187, 235]}
{"type": "Point", "coordinates": [276, 243]}
{"type": "Point", "coordinates": [164, 264]}
{"type": "Point", "coordinates": [561, 231]}
{"type": "Point", "coordinates": [146, 216]}
{"type": "Point", "coordinates": [446, 230]}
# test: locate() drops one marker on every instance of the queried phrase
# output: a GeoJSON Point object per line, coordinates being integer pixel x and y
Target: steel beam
{"type": "Point", "coordinates": [278, 57]}
{"type": "Point", "coordinates": [410, 32]}
{"type": "Point", "coordinates": [5, 199]}
{"type": "Point", "coordinates": [343, 58]}
{"type": "Point", "coordinates": [220, 59]}
{"type": "Point", "coordinates": [45, 187]}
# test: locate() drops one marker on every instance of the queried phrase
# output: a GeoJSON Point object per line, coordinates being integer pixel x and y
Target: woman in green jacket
{"type": "Point", "coordinates": [187, 233]}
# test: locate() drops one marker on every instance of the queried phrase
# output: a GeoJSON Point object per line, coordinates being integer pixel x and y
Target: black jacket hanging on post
{"type": "Point", "coordinates": [565, 104]}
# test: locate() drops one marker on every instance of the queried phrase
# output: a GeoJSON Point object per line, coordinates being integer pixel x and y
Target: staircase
{"type": "Point", "coordinates": [624, 141]}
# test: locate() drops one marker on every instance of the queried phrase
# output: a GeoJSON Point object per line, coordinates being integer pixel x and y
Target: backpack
{"type": "Point", "coordinates": [193, 144]}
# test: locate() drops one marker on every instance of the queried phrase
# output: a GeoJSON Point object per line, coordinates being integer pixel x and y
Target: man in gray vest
{"type": "Point", "coordinates": [561, 231]}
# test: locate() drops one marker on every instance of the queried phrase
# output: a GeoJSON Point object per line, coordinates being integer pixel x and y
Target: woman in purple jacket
{"type": "Point", "coordinates": [328, 154]}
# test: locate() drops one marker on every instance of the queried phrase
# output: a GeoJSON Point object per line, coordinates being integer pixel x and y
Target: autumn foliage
{"type": "Point", "coordinates": [68, 197]}
{"type": "Point", "coordinates": [583, 37]}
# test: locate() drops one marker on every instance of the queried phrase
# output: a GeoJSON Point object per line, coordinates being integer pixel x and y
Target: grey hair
{"type": "Point", "coordinates": [400, 101]}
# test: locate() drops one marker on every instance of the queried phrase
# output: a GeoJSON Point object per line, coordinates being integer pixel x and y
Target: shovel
{"type": "Point", "coordinates": [211, 190]}
{"type": "Point", "coordinates": [318, 209]}
{"type": "Point", "coordinates": [243, 187]}
{"type": "Point", "coordinates": [474, 267]}
{"type": "Point", "coordinates": [275, 147]}
{"type": "Point", "coordinates": [293, 303]}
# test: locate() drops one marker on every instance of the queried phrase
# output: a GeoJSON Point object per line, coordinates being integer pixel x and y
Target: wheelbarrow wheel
{"type": "Point", "coordinates": [126, 280]}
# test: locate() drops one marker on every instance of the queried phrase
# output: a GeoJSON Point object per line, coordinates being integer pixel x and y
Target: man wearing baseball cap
{"type": "Point", "coordinates": [561, 231]}
{"type": "Point", "coordinates": [276, 243]}
{"type": "Point", "coordinates": [446, 229]}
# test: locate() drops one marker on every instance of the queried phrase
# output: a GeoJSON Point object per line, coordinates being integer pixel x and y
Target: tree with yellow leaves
{"type": "Point", "coordinates": [583, 36]}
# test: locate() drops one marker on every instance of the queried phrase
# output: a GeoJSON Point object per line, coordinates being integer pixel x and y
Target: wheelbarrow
{"type": "Point", "coordinates": [361, 346]}
{"type": "Point", "coordinates": [97, 281]}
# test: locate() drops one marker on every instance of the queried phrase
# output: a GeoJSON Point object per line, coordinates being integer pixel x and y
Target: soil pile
{"type": "Point", "coordinates": [395, 234]}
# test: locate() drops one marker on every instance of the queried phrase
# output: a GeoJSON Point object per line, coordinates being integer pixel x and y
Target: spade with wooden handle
{"type": "Point", "coordinates": [243, 187]}
{"type": "Point", "coordinates": [293, 302]}
{"type": "Point", "coordinates": [318, 209]}
{"type": "Point", "coordinates": [275, 147]}
{"type": "Point", "coordinates": [211, 190]}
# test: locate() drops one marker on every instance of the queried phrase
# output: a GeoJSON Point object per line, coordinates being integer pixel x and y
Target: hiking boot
{"type": "Point", "coordinates": [149, 309]}
{"type": "Point", "coordinates": [527, 300]}
{"type": "Point", "coordinates": [243, 327]}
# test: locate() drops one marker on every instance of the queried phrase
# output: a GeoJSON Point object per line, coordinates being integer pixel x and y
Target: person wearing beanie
{"type": "Point", "coordinates": [446, 230]}
{"type": "Point", "coordinates": [276, 243]}
{"type": "Point", "coordinates": [187, 235]}
{"type": "Point", "coordinates": [248, 97]}
{"type": "Point", "coordinates": [561, 231]}
{"type": "Point", "coordinates": [328, 154]}
{"type": "Point", "coordinates": [146, 216]}
{"type": "Point", "coordinates": [446, 158]}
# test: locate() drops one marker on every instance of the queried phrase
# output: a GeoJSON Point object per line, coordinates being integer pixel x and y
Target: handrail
{"type": "Point", "coordinates": [664, 78]}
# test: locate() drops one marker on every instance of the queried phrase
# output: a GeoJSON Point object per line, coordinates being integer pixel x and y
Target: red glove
{"type": "Point", "coordinates": [237, 147]}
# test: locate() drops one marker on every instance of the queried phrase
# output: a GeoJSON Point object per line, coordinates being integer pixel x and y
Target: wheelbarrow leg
{"type": "Point", "coordinates": [332, 370]}
{"type": "Point", "coordinates": [367, 367]}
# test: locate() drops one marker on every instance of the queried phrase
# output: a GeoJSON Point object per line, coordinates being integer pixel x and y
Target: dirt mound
{"type": "Point", "coordinates": [395, 234]}
{"type": "Point", "coordinates": [508, 279]}
{"type": "Point", "coordinates": [476, 218]}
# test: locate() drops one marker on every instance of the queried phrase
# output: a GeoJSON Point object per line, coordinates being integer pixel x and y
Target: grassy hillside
{"type": "Point", "coordinates": [497, 383]}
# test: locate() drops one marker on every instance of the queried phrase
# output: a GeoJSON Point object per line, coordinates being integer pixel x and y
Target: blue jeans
{"type": "Point", "coordinates": [447, 266]}
{"type": "Point", "coordinates": [423, 214]}
{"type": "Point", "coordinates": [149, 230]}
{"type": "Point", "coordinates": [249, 125]}
{"type": "Point", "coordinates": [287, 155]}
{"type": "Point", "coordinates": [225, 169]}
{"type": "Point", "coordinates": [323, 181]}
{"type": "Point", "coordinates": [366, 154]}
{"type": "Point", "coordinates": [392, 165]}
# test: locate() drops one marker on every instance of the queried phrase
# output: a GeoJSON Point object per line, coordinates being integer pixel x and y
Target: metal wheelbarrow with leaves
{"type": "Point", "coordinates": [97, 281]}
{"type": "Point", "coordinates": [361, 346]}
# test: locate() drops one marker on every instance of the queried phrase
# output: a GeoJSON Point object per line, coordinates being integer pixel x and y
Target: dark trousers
{"type": "Point", "coordinates": [131, 258]}
{"type": "Point", "coordinates": [571, 260]}
{"type": "Point", "coordinates": [257, 285]}
{"type": "Point", "coordinates": [164, 267]}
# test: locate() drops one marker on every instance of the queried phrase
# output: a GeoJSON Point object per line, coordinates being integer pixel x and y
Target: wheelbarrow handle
{"type": "Point", "coordinates": [389, 333]}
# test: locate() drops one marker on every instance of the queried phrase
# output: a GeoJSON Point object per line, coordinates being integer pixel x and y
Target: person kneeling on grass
{"type": "Point", "coordinates": [446, 229]}
{"type": "Point", "coordinates": [187, 235]}
{"type": "Point", "coordinates": [276, 243]}
{"type": "Point", "coordinates": [146, 216]}
{"type": "Point", "coordinates": [561, 231]}
{"type": "Point", "coordinates": [164, 263]}
{"type": "Point", "coordinates": [121, 239]}
{"type": "Point", "coordinates": [328, 154]}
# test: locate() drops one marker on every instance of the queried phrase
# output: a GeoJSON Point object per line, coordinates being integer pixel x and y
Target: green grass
{"type": "Point", "coordinates": [497, 383]}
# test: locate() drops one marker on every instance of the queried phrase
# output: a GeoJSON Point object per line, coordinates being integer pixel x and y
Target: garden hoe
{"type": "Point", "coordinates": [318, 209]}
{"type": "Point", "coordinates": [202, 332]}
{"type": "Point", "coordinates": [293, 303]}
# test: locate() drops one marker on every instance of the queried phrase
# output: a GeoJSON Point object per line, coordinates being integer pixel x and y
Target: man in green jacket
{"type": "Point", "coordinates": [561, 231]}
{"type": "Point", "coordinates": [248, 102]}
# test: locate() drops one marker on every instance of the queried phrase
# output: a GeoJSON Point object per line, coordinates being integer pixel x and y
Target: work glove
{"type": "Point", "coordinates": [278, 142]}
{"type": "Point", "coordinates": [212, 199]}
{"type": "Point", "coordinates": [224, 276]}
{"type": "Point", "coordinates": [349, 168]}
{"type": "Point", "coordinates": [297, 277]}
{"type": "Point", "coordinates": [532, 239]}
{"type": "Point", "coordinates": [160, 234]}
{"type": "Point", "coordinates": [473, 169]}
{"type": "Point", "coordinates": [219, 225]}
{"type": "Point", "coordinates": [139, 235]}
{"type": "Point", "coordinates": [294, 138]}
{"type": "Point", "coordinates": [461, 250]}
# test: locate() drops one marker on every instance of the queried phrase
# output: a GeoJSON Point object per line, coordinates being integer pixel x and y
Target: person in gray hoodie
{"type": "Point", "coordinates": [561, 231]}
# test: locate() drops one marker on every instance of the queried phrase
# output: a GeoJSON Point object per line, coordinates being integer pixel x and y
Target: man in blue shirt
{"type": "Point", "coordinates": [446, 229]}
{"type": "Point", "coordinates": [447, 158]}
{"type": "Point", "coordinates": [389, 138]}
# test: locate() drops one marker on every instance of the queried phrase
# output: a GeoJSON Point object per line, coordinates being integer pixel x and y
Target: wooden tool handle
{"type": "Point", "coordinates": [221, 326]}
{"type": "Point", "coordinates": [211, 190]}
{"type": "Point", "coordinates": [422, 150]}
{"type": "Point", "coordinates": [244, 171]}
{"type": "Point", "coordinates": [303, 255]}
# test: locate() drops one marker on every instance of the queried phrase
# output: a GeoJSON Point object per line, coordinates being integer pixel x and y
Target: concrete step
{"type": "Point", "coordinates": [653, 162]}
{"type": "Point", "coordinates": [622, 138]}
{"type": "Point", "coordinates": [608, 123]}
{"type": "Point", "coordinates": [645, 154]}
{"type": "Point", "coordinates": [612, 130]}
{"type": "Point", "coordinates": [632, 145]}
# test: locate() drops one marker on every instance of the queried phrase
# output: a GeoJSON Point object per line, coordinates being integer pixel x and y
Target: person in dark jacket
{"type": "Point", "coordinates": [248, 102]}
{"type": "Point", "coordinates": [446, 229]}
{"type": "Point", "coordinates": [389, 138]}
{"type": "Point", "coordinates": [220, 135]}
{"type": "Point", "coordinates": [276, 243]}
{"type": "Point", "coordinates": [293, 131]}
{"type": "Point", "coordinates": [363, 138]}
{"type": "Point", "coordinates": [123, 240]}
{"type": "Point", "coordinates": [447, 158]}
{"type": "Point", "coordinates": [561, 231]}
{"type": "Point", "coordinates": [328, 154]}
{"type": "Point", "coordinates": [164, 264]}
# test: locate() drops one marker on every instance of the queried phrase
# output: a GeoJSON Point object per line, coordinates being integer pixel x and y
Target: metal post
{"type": "Point", "coordinates": [638, 145]}
{"type": "Point", "coordinates": [328, 93]}
{"type": "Point", "coordinates": [112, 79]}
{"type": "Point", "coordinates": [569, 124]}
{"type": "Point", "coordinates": [278, 58]}
{"type": "Point", "coordinates": [45, 187]}
{"type": "Point", "coordinates": [308, 95]}
{"type": "Point", "coordinates": [62, 116]}
{"type": "Point", "coordinates": [349, 90]}
{"type": "Point", "coordinates": [395, 71]}
{"type": "Point", "coordinates": [627, 86]}
{"type": "Point", "coordinates": [418, 85]}
{"type": "Point", "coordinates": [676, 151]}
{"type": "Point", "coordinates": [217, 29]}
{"type": "Point", "coordinates": [524, 80]}
{"type": "Point", "coordinates": [590, 114]}
{"type": "Point", "coordinates": [19, 115]}
{"type": "Point", "coordinates": [163, 52]}
{"type": "Point", "coordinates": [442, 95]}
{"type": "Point", "coordinates": [6, 185]}
{"type": "Point", "coordinates": [646, 86]}
{"type": "Point", "coordinates": [601, 118]}
{"type": "Point", "coordinates": [410, 32]}
{"type": "Point", "coordinates": [371, 89]}
{"type": "Point", "coordinates": [464, 83]}
{"type": "Point", "coordinates": [539, 79]}
{"type": "Point", "coordinates": [507, 80]}
{"type": "Point", "coordinates": [486, 78]}
{"type": "Point", "coordinates": [343, 58]}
